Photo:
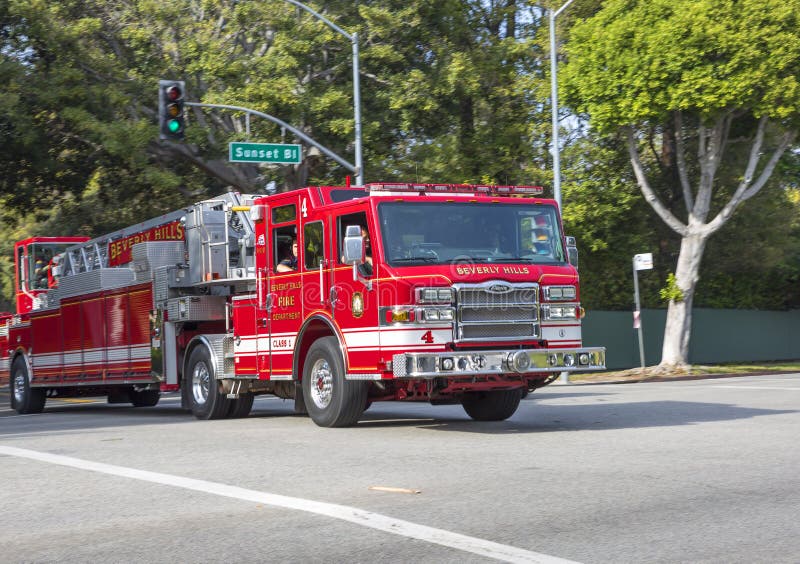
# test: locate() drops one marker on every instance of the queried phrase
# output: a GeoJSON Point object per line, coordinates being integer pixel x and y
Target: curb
{"type": "Point", "coordinates": [643, 380]}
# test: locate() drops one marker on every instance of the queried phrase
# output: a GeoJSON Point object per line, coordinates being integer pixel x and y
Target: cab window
{"type": "Point", "coordinates": [284, 249]}
{"type": "Point", "coordinates": [313, 245]}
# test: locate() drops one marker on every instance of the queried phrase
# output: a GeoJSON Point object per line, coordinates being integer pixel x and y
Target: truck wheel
{"type": "Point", "coordinates": [331, 400]}
{"type": "Point", "coordinates": [144, 398]}
{"type": "Point", "coordinates": [496, 405]}
{"type": "Point", "coordinates": [25, 399]}
{"type": "Point", "coordinates": [206, 399]}
{"type": "Point", "coordinates": [241, 406]}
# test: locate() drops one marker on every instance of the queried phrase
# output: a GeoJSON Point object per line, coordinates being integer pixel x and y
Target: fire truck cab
{"type": "Point", "coordinates": [334, 297]}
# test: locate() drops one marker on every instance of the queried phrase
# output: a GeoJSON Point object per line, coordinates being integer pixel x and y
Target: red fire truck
{"type": "Point", "coordinates": [334, 297]}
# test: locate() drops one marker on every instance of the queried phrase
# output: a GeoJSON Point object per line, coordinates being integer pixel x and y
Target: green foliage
{"type": "Point", "coordinates": [671, 292]}
{"type": "Point", "coordinates": [649, 58]}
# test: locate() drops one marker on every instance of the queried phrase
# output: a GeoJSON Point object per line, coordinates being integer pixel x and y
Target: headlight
{"type": "Point", "coordinates": [446, 315]}
{"type": "Point", "coordinates": [434, 295]}
{"type": "Point", "coordinates": [436, 314]}
{"type": "Point", "coordinates": [560, 311]}
{"type": "Point", "coordinates": [559, 293]}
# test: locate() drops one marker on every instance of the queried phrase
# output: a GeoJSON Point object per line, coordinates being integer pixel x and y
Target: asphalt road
{"type": "Point", "coordinates": [685, 471]}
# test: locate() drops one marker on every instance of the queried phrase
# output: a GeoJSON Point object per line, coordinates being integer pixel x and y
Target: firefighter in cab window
{"type": "Point", "coordinates": [41, 269]}
{"type": "Point", "coordinates": [289, 264]}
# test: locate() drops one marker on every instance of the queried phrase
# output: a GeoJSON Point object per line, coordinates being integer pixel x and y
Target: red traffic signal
{"type": "Point", "coordinates": [174, 92]}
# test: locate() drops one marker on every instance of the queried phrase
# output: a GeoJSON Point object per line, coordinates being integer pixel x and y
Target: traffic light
{"type": "Point", "coordinates": [172, 123]}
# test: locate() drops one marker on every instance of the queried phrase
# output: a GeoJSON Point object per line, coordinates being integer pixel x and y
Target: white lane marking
{"type": "Point", "coordinates": [361, 517]}
{"type": "Point", "coordinates": [760, 388]}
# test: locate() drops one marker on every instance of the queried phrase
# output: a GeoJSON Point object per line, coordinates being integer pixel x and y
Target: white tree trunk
{"type": "Point", "coordinates": [677, 332]}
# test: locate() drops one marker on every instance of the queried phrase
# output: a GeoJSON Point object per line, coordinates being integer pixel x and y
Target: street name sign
{"type": "Point", "coordinates": [264, 153]}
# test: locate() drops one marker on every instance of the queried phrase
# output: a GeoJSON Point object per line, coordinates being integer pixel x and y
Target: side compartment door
{"type": "Point", "coordinates": [250, 313]}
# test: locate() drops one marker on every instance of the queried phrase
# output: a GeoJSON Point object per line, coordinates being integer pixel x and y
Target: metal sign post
{"type": "Point", "coordinates": [642, 261]}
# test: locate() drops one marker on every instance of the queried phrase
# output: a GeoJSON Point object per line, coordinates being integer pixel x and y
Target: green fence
{"type": "Point", "coordinates": [718, 335]}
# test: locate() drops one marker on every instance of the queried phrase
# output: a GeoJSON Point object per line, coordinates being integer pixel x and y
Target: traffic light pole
{"type": "Point", "coordinates": [349, 166]}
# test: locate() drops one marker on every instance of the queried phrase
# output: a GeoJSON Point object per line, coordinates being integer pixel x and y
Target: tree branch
{"type": "Point", "coordinates": [709, 164]}
{"type": "Point", "coordinates": [786, 141]}
{"type": "Point", "coordinates": [744, 191]}
{"type": "Point", "coordinates": [680, 157]}
{"type": "Point", "coordinates": [674, 223]}
{"type": "Point", "coordinates": [216, 168]}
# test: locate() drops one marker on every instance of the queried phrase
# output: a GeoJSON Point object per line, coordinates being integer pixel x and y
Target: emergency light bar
{"type": "Point", "coordinates": [483, 189]}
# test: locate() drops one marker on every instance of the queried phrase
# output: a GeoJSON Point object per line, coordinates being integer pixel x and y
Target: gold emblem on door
{"type": "Point", "coordinates": [357, 304]}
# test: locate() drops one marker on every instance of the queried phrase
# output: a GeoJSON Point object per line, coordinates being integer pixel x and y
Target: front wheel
{"type": "Point", "coordinates": [206, 399]}
{"type": "Point", "coordinates": [331, 400]}
{"type": "Point", "coordinates": [494, 405]}
{"type": "Point", "coordinates": [24, 398]}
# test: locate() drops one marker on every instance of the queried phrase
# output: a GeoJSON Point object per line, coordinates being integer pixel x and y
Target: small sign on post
{"type": "Point", "coordinates": [281, 153]}
{"type": "Point", "coordinates": [643, 261]}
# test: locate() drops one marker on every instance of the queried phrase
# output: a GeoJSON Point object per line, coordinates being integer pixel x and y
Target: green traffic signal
{"type": "Point", "coordinates": [174, 126]}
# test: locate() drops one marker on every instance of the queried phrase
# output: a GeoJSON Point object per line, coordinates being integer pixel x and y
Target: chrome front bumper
{"type": "Point", "coordinates": [469, 363]}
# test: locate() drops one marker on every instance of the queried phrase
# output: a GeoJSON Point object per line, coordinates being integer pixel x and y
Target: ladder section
{"type": "Point", "coordinates": [221, 226]}
{"type": "Point", "coordinates": [104, 251]}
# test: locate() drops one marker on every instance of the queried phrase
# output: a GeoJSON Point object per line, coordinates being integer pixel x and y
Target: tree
{"type": "Point", "coordinates": [461, 79]}
{"type": "Point", "coordinates": [698, 89]}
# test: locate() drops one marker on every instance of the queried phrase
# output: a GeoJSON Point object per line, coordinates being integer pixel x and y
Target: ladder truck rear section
{"type": "Point", "coordinates": [118, 315]}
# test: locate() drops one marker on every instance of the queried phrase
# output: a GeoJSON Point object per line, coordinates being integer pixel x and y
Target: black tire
{"type": "Point", "coordinates": [24, 399]}
{"type": "Point", "coordinates": [495, 405]}
{"type": "Point", "coordinates": [241, 406]}
{"type": "Point", "coordinates": [206, 399]}
{"type": "Point", "coordinates": [144, 398]}
{"type": "Point", "coordinates": [331, 400]}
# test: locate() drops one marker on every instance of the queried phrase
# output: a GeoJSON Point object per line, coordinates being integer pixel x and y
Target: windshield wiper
{"type": "Point", "coordinates": [406, 260]}
{"type": "Point", "coordinates": [511, 259]}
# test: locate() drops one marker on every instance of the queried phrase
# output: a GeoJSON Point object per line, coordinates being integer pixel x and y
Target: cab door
{"type": "Point", "coordinates": [355, 304]}
{"type": "Point", "coordinates": [284, 296]}
{"type": "Point", "coordinates": [316, 267]}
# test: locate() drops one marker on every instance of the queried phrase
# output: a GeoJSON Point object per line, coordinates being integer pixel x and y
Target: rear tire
{"type": "Point", "coordinates": [494, 405]}
{"type": "Point", "coordinates": [331, 400]}
{"type": "Point", "coordinates": [144, 398]}
{"type": "Point", "coordinates": [206, 399]}
{"type": "Point", "coordinates": [25, 399]}
{"type": "Point", "coordinates": [241, 406]}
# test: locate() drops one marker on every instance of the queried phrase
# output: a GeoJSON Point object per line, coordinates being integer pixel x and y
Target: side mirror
{"type": "Point", "coordinates": [572, 251]}
{"type": "Point", "coordinates": [353, 245]}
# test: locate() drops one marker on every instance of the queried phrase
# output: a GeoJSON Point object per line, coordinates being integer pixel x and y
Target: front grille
{"type": "Point", "coordinates": [511, 313]}
{"type": "Point", "coordinates": [497, 311]}
{"type": "Point", "coordinates": [480, 295]}
{"type": "Point", "coordinates": [496, 331]}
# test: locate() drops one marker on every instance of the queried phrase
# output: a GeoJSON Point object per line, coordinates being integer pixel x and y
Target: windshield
{"type": "Point", "coordinates": [447, 232]}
